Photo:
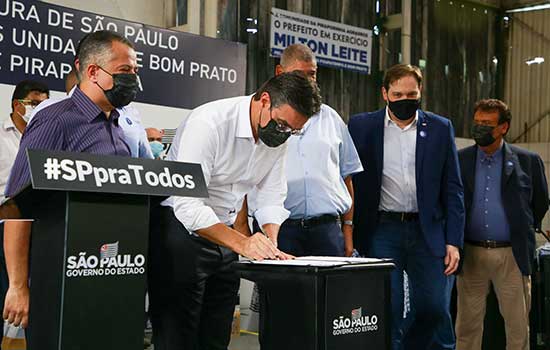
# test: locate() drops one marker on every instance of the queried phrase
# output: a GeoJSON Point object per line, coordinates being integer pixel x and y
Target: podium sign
{"type": "Point", "coordinates": [323, 307]}
{"type": "Point", "coordinates": [69, 171]}
{"type": "Point", "coordinates": [89, 245]}
{"type": "Point", "coordinates": [356, 311]}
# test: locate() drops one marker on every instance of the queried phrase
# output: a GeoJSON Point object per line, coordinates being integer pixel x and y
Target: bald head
{"type": "Point", "coordinates": [298, 57]}
{"type": "Point", "coordinates": [297, 52]}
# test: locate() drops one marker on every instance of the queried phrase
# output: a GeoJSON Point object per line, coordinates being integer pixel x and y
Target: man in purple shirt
{"type": "Point", "coordinates": [85, 122]}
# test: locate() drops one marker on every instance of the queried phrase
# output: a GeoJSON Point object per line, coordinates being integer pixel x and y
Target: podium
{"type": "Point", "coordinates": [89, 245]}
{"type": "Point", "coordinates": [325, 306]}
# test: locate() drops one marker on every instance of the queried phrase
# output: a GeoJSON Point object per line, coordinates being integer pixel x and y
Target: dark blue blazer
{"type": "Point", "coordinates": [524, 195]}
{"type": "Point", "coordinates": [439, 189]}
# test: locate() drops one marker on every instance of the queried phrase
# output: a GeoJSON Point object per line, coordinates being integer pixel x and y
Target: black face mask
{"type": "Point", "coordinates": [483, 134]}
{"type": "Point", "coordinates": [270, 135]}
{"type": "Point", "coordinates": [124, 90]}
{"type": "Point", "coordinates": [404, 109]}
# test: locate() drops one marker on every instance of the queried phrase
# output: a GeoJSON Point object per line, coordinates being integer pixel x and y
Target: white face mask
{"type": "Point", "coordinates": [28, 112]}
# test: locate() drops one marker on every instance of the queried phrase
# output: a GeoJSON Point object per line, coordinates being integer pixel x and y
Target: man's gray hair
{"type": "Point", "coordinates": [297, 52]}
{"type": "Point", "coordinates": [97, 48]}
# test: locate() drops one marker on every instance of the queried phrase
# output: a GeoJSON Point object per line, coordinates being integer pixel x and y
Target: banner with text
{"type": "Point", "coordinates": [38, 41]}
{"type": "Point", "coordinates": [335, 44]}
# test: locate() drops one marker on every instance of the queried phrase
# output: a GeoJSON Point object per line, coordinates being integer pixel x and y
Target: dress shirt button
{"type": "Point", "coordinates": [486, 225]}
{"type": "Point", "coordinates": [487, 188]}
{"type": "Point", "coordinates": [486, 200]}
{"type": "Point", "coordinates": [486, 212]}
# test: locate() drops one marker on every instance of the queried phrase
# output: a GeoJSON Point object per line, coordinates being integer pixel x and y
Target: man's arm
{"type": "Point", "coordinates": [350, 164]}
{"type": "Point", "coordinates": [540, 191]}
{"type": "Point", "coordinates": [255, 247]}
{"type": "Point", "coordinates": [454, 197]}
{"type": "Point", "coordinates": [347, 230]}
{"type": "Point", "coordinates": [16, 249]}
{"type": "Point", "coordinates": [270, 198]}
{"type": "Point", "coordinates": [46, 134]}
{"type": "Point", "coordinates": [198, 144]}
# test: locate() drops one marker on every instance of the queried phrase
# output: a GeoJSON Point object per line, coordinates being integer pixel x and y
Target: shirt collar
{"type": "Point", "coordinates": [244, 129]}
{"type": "Point", "coordinates": [388, 121]}
{"type": "Point", "coordinates": [88, 108]}
{"type": "Point", "coordinates": [482, 156]}
{"type": "Point", "coordinates": [8, 125]}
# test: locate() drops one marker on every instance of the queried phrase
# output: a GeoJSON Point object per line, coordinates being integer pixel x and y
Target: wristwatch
{"type": "Point", "coordinates": [348, 222]}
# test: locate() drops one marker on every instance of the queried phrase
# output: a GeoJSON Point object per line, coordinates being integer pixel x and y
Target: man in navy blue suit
{"type": "Point", "coordinates": [409, 204]}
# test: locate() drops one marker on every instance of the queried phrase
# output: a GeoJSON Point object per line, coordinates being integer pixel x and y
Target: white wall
{"type": "Point", "coordinates": [160, 13]}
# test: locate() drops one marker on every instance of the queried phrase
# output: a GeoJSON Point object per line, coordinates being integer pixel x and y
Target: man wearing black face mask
{"type": "Point", "coordinates": [409, 205]}
{"type": "Point", "coordinates": [85, 122]}
{"type": "Point", "coordinates": [506, 197]}
{"type": "Point", "coordinates": [239, 143]}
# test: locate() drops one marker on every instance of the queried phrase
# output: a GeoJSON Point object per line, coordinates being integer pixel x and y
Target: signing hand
{"type": "Point", "coordinates": [16, 307]}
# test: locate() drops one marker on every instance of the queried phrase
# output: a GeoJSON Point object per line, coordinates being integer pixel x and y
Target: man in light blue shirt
{"type": "Point", "coordinates": [320, 162]}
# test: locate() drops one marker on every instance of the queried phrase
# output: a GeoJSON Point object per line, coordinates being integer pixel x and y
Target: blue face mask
{"type": "Point", "coordinates": [156, 148]}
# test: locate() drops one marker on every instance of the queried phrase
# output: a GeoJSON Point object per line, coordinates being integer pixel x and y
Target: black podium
{"type": "Point", "coordinates": [344, 306]}
{"type": "Point", "coordinates": [89, 246]}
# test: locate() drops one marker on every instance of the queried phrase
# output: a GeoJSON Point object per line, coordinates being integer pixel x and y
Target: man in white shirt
{"type": "Point", "coordinates": [321, 160]}
{"type": "Point", "coordinates": [409, 207]}
{"type": "Point", "coordinates": [27, 95]}
{"type": "Point", "coordinates": [239, 143]}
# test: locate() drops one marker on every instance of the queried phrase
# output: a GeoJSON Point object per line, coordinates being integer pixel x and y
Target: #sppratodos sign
{"type": "Point", "coordinates": [86, 172]}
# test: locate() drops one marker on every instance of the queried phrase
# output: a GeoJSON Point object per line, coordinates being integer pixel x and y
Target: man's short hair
{"type": "Point", "coordinates": [294, 89]}
{"type": "Point", "coordinates": [399, 71]}
{"type": "Point", "coordinates": [96, 48]}
{"type": "Point", "coordinates": [491, 105]}
{"type": "Point", "coordinates": [296, 52]}
{"type": "Point", "coordinates": [27, 86]}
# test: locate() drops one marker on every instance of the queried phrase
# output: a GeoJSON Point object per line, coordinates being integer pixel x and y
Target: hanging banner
{"type": "Point", "coordinates": [38, 41]}
{"type": "Point", "coordinates": [335, 44]}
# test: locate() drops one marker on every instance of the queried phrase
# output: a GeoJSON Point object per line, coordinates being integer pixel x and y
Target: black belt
{"type": "Point", "coordinates": [489, 244]}
{"type": "Point", "coordinates": [397, 216]}
{"type": "Point", "coordinates": [318, 220]}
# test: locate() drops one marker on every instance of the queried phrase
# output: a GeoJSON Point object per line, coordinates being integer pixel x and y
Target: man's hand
{"type": "Point", "coordinates": [451, 259]}
{"type": "Point", "coordinates": [347, 230]}
{"type": "Point", "coordinates": [259, 247]}
{"type": "Point", "coordinates": [16, 307]}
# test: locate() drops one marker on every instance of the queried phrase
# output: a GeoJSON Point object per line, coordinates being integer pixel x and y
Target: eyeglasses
{"type": "Point", "coordinates": [280, 127]}
{"type": "Point", "coordinates": [33, 103]}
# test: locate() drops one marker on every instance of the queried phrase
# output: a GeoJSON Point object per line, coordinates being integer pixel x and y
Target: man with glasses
{"type": "Point", "coordinates": [239, 143]}
{"type": "Point", "coordinates": [27, 95]}
{"type": "Point", "coordinates": [506, 197]}
{"type": "Point", "coordinates": [321, 161]}
{"type": "Point", "coordinates": [85, 122]}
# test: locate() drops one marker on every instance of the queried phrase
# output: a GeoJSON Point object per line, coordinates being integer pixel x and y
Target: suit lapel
{"type": "Point", "coordinates": [422, 134]}
{"type": "Point", "coordinates": [469, 168]}
{"type": "Point", "coordinates": [510, 160]}
{"type": "Point", "coordinates": [379, 144]}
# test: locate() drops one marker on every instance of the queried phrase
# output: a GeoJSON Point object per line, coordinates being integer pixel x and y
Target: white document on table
{"type": "Point", "coordinates": [317, 261]}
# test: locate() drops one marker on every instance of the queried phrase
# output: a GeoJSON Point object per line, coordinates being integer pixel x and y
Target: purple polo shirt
{"type": "Point", "coordinates": [75, 124]}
